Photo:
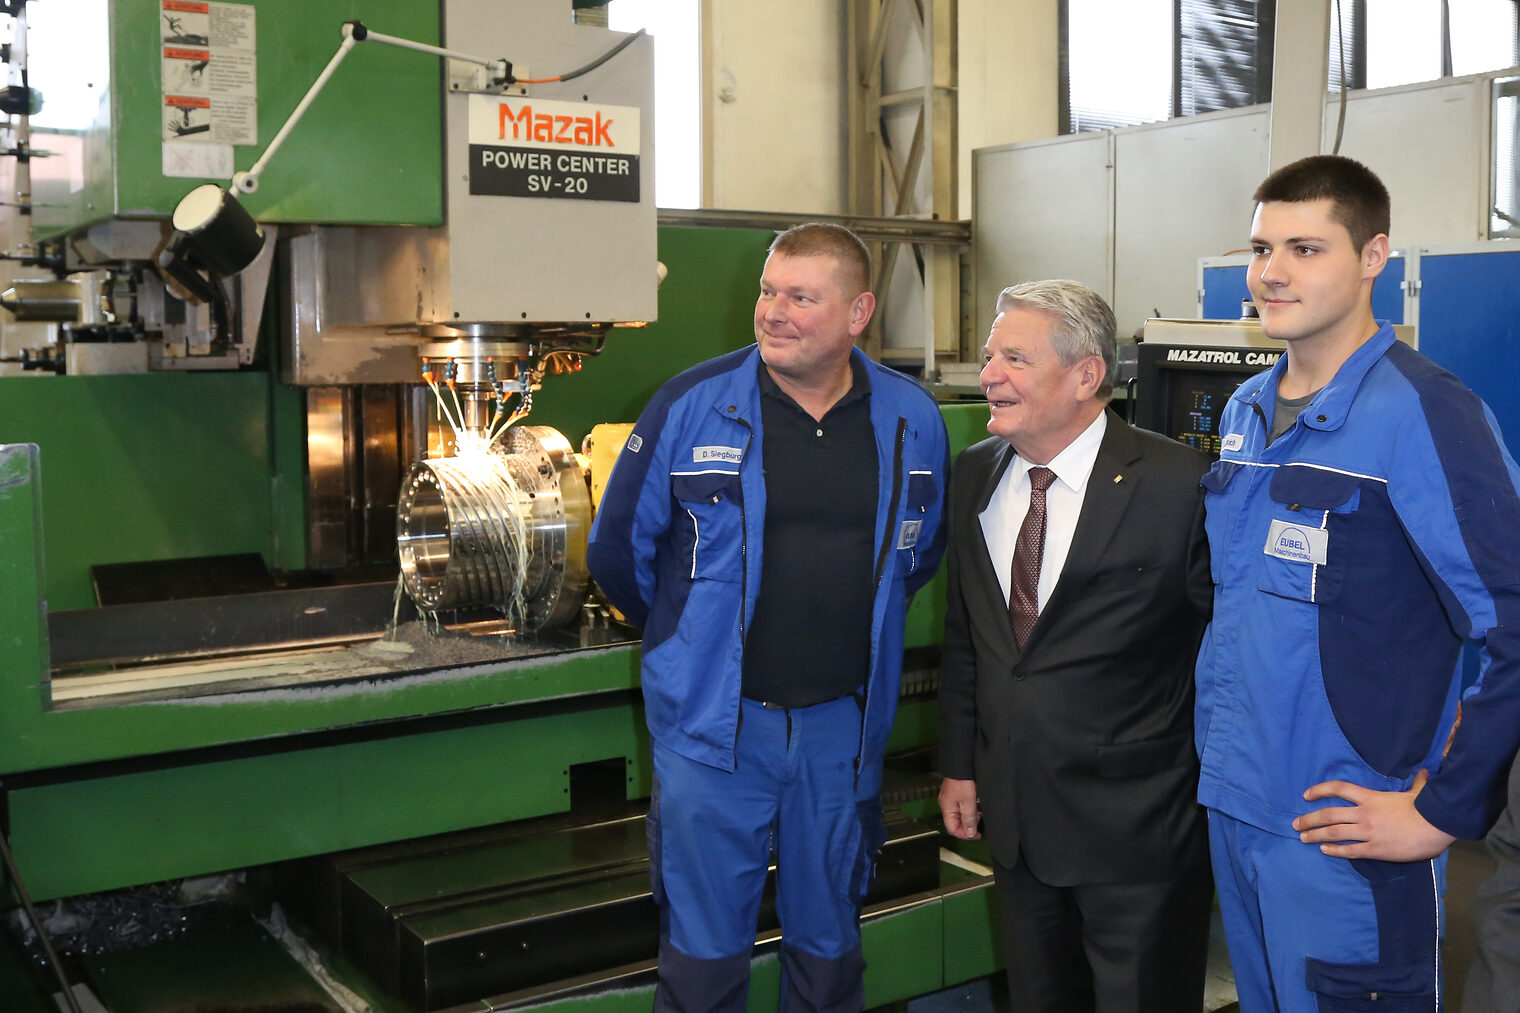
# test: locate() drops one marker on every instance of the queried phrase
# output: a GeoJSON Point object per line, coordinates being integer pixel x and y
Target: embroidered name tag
{"type": "Point", "coordinates": [1234, 441]}
{"type": "Point", "coordinates": [731, 454]}
{"type": "Point", "coordinates": [1297, 542]}
{"type": "Point", "coordinates": [907, 535]}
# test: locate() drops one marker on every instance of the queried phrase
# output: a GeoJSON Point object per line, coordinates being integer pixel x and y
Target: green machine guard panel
{"type": "Point", "coordinates": [367, 152]}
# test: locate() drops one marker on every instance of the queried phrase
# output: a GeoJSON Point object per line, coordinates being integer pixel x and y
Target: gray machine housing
{"type": "Point", "coordinates": [358, 295]}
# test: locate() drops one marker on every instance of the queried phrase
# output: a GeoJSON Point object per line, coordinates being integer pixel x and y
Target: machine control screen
{"type": "Point", "coordinates": [1197, 402]}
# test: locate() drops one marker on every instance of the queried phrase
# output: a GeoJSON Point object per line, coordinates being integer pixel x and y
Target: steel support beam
{"type": "Point", "coordinates": [902, 56]}
{"type": "Point", "coordinates": [1300, 65]}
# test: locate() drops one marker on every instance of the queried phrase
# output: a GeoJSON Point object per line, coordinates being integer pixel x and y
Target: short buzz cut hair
{"type": "Point", "coordinates": [823, 239]}
{"type": "Point", "coordinates": [1085, 324]}
{"type": "Point", "coordinates": [1358, 199]}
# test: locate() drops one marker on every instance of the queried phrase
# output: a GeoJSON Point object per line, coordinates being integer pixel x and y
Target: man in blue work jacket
{"type": "Point", "coordinates": [1363, 521]}
{"type": "Point", "coordinates": [766, 523]}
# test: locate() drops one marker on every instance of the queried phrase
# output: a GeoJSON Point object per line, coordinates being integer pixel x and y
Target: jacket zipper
{"type": "Point", "coordinates": [1266, 425]}
{"type": "Point", "coordinates": [897, 466]}
{"type": "Point", "coordinates": [881, 565]}
{"type": "Point", "coordinates": [749, 438]}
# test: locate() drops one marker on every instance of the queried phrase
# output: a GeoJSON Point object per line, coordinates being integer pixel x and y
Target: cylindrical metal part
{"type": "Point", "coordinates": [504, 529]}
{"type": "Point", "coordinates": [475, 404]}
{"type": "Point", "coordinates": [42, 300]}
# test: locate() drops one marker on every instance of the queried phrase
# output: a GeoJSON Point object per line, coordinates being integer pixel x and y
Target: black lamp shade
{"type": "Point", "coordinates": [219, 233]}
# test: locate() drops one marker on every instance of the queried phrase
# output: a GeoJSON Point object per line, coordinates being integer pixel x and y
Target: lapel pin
{"type": "Point", "coordinates": [1118, 479]}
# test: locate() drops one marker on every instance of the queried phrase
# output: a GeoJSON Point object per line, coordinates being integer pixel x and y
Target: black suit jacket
{"type": "Point", "coordinates": [1081, 744]}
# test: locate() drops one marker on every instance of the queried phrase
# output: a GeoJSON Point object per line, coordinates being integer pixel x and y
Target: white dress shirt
{"type": "Point", "coordinates": [1063, 505]}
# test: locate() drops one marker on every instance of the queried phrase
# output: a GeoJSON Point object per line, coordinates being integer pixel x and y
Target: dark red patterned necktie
{"type": "Point", "coordinates": [1024, 592]}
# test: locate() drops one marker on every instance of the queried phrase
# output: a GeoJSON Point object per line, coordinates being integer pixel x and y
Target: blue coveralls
{"type": "Point", "coordinates": [1351, 558]}
{"type": "Point", "coordinates": [677, 546]}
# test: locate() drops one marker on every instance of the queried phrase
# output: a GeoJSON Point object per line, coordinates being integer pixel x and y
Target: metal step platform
{"type": "Point", "coordinates": [487, 913]}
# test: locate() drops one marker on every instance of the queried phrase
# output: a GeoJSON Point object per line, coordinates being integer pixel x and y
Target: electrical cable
{"type": "Point", "coordinates": [601, 341]}
{"type": "Point", "coordinates": [31, 915]}
{"type": "Point", "coordinates": [221, 313]}
{"type": "Point", "coordinates": [1340, 35]}
{"type": "Point", "coordinates": [588, 68]}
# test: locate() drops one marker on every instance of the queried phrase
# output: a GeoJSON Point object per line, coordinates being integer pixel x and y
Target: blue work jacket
{"type": "Point", "coordinates": [1351, 559]}
{"type": "Point", "coordinates": [678, 542]}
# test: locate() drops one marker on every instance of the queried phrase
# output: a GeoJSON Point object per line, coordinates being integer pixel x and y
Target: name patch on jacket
{"type": "Point", "coordinates": [1297, 542]}
{"type": "Point", "coordinates": [731, 454]}
{"type": "Point", "coordinates": [1234, 441]}
{"type": "Point", "coordinates": [907, 535]}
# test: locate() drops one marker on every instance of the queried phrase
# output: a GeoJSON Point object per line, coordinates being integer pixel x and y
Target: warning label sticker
{"type": "Point", "coordinates": [208, 73]}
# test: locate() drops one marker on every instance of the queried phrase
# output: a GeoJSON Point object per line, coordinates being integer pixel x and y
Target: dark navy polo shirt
{"type": "Point", "coordinates": [810, 640]}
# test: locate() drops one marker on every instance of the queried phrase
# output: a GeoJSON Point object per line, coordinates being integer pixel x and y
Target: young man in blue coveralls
{"type": "Point", "coordinates": [1363, 522]}
{"type": "Point", "coordinates": [766, 523]}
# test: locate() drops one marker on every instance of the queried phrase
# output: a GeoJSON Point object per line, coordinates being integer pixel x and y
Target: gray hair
{"type": "Point", "coordinates": [1085, 324]}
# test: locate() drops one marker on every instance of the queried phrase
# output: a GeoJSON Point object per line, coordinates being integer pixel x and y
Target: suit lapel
{"type": "Point", "coordinates": [986, 584]}
{"type": "Point", "coordinates": [1000, 463]}
{"type": "Point", "coordinates": [1108, 493]}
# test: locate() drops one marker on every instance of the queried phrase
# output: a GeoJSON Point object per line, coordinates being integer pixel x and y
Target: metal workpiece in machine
{"type": "Point", "coordinates": [498, 514]}
{"type": "Point", "coordinates": [505, 528]}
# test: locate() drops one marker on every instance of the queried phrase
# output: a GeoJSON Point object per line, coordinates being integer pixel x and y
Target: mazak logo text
{"type": "Point", "coordinates": [546, 128]}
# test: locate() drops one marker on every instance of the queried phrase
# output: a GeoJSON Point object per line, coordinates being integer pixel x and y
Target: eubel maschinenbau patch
{"type": "Point", "coordinates": [1297, 542]}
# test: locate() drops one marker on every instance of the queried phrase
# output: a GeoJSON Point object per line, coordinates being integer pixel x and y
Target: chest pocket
{"type": "Point", "coordinates": [922, 492]}
{"type": "Point", "coordinates": [707, 537]}
{"type": "Point", "coordinates": [1307, 539]}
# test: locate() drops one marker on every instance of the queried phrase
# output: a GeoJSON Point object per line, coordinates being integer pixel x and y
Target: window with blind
{"type": "Point", "coordinates": [1154, 59]}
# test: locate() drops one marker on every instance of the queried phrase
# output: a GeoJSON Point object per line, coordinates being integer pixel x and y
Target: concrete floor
{"type": "Point", "coordinates": [1219, 982]}
{"type": "Point", "coordinates": [1468, 866]}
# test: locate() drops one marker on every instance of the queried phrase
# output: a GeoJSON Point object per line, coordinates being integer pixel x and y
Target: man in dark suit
{"type": "Point", "coordinates": [1079, 587]}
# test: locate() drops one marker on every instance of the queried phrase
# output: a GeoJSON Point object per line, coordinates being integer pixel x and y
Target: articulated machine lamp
{"type": "Point", "coordinates": [214, 232]}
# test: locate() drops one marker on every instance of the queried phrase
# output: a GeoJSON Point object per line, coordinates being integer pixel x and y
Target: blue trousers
{"type": "Point", "coordinates": [711, 833]}
{"type": "Point", "coordinates": [1313, 934]}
